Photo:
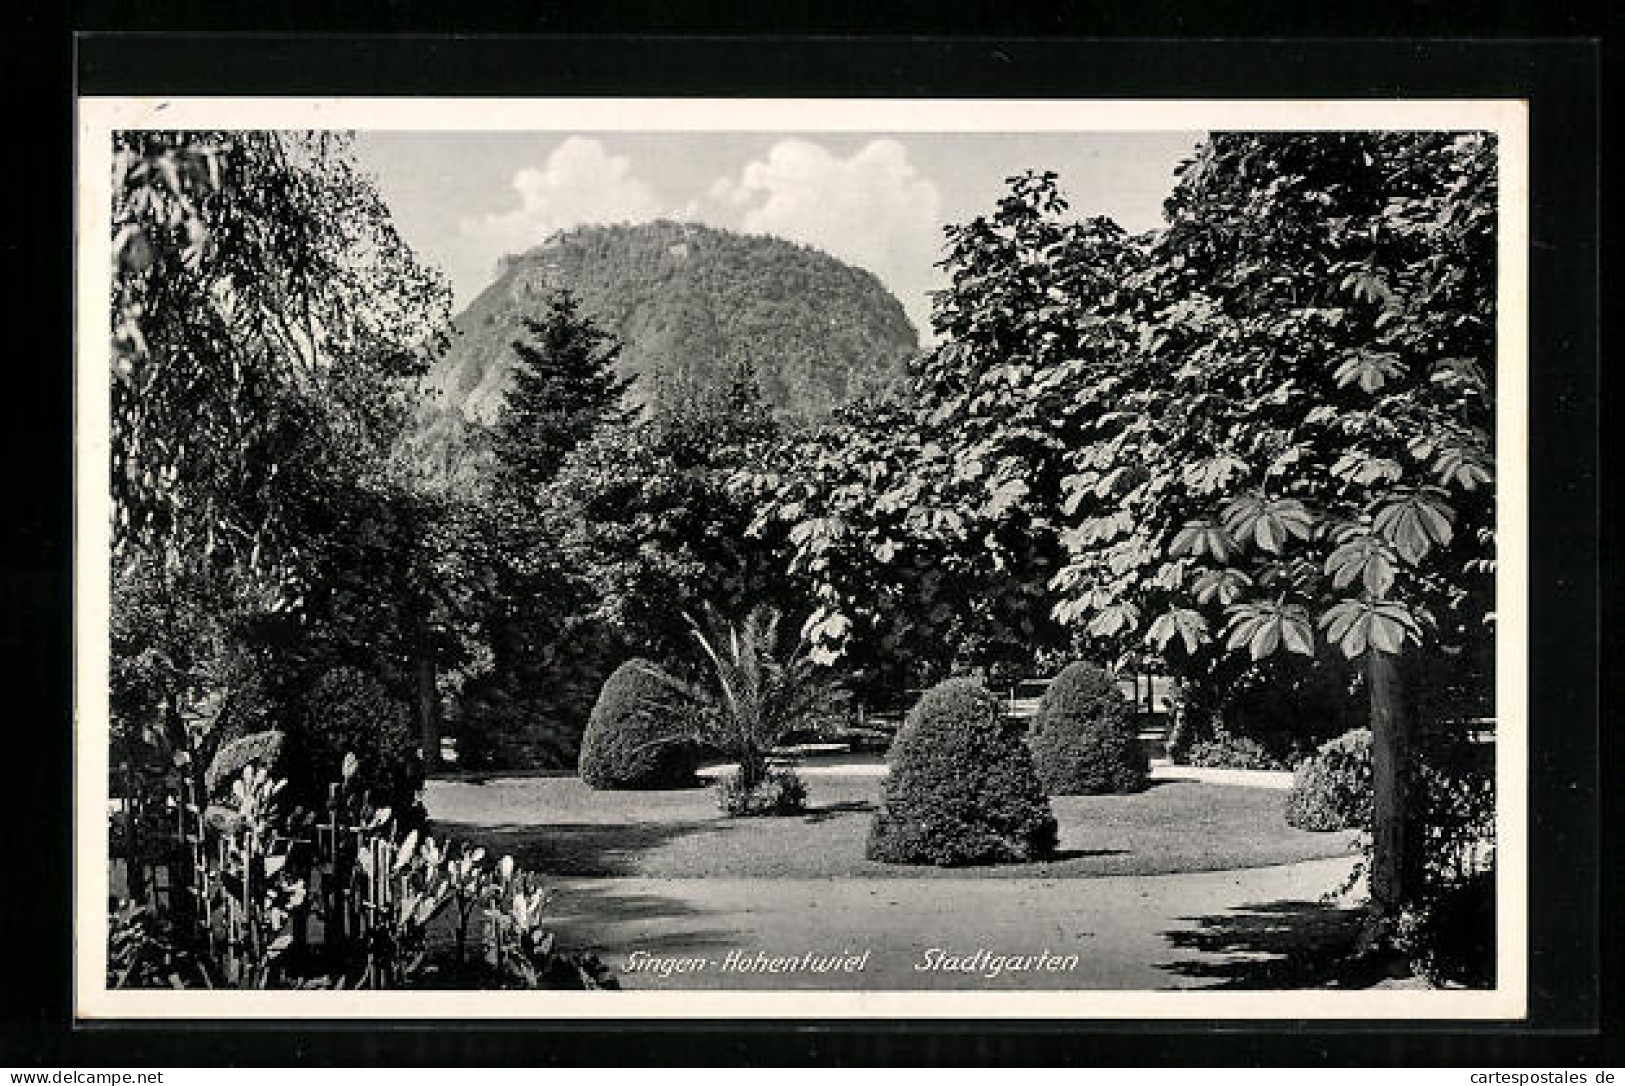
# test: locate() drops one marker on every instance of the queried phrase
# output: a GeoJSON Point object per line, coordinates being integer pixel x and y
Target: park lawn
{"type": "Point", "coordinates": [558, 826]}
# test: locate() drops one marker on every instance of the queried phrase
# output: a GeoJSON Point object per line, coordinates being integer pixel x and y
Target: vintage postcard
{"type": "Point", "coordinates": [588, 558]}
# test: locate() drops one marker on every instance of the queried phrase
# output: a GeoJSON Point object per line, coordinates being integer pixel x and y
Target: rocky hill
{"type": "Point", "coordinates": [689, 304]}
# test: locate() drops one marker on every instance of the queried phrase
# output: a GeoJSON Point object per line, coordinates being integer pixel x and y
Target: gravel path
{"type": "Point", "coordinates": [1256, 928]}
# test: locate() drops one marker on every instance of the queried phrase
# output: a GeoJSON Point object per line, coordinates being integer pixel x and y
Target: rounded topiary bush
{"type": "Point", "coordinates": [349, 711]}
{"type": "Point", "coordinates": [962, 788]}
{"type": "Point", "coordinates": [1331, 790]}
{"type": "Point", "coordinates": [1083, 740]}
{"type": "Point", "coordinates": [635, 735]}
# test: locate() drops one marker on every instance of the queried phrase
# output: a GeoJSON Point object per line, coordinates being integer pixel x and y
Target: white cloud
{"type": "Point", "coordinates": [580, 183]}
{"type": "Point", "coordinates": [871, 209]}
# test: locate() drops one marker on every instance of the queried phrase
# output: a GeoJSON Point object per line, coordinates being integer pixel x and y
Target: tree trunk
{"type": "Point", "coordinates": [752, 769]}
{"type": "Point", "coordinates": [428, 706]}
{"type": "Point", "coordinates": [1391, 847]}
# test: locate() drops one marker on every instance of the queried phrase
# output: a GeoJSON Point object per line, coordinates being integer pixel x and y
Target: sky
{"type": "Point", "coordinates": [877, 200]}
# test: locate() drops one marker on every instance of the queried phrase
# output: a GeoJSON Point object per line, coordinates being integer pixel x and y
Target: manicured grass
{"type": "Point", "coordinates": [559, 826]}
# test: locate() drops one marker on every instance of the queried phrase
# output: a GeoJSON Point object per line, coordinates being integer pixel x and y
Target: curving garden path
{"type": "Point", "coordinates": [1252, 928]}
{"type": "Point", "coordinates": [1190, 884]}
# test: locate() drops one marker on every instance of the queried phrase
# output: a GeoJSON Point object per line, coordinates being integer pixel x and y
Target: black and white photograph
{"type": "Point", "coordinates": [660, 558]}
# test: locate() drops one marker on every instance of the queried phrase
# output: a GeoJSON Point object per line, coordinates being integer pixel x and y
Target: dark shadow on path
{"type": "Point", "coordinates": [604, 917]}
{"type": "Point", "coordinates": [1083, 853]}
{"type": "Point", "coordinates": [572, 848]}
{"type": "Point", "coordinates": [1277, 945]}
{"type": "Point", "coordinates": [835, 810]}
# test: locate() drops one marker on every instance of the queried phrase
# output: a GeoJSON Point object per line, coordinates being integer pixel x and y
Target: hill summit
{"type": "Point", "coordinates": [690, 304]}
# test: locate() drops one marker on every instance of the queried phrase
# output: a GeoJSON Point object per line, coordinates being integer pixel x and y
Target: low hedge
{"type": "Point", "coordinates": [1229, 751]}
{"type": "Point", "coordinates": [634, 737]}
{"type": "Point", "coordinates": [1331, 790]}
{"type": "Point", "coordinates": [1084, 740]}
{"type": "Point", "coordinates": [962, 788]}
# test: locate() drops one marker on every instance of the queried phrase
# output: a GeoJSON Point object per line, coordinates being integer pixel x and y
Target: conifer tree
{"type": "Point", "coordinates": [562, 388]}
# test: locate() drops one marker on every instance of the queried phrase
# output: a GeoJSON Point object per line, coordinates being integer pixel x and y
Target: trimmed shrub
{"type": "Point", "coordinates": [1331, 790]}
{"type": "Point", "coordinates": [781, 793]}
{"type": "Point", "coordinates": [1084, 741]}
{"type": "Point", "coordinates": [962, 788]}
{"type": "Point", "coordinates": [637, 735]}
{"type": "Point", "coordinates": [349, 711]}
{"type": "Point", "coordinates": [1228, 751]}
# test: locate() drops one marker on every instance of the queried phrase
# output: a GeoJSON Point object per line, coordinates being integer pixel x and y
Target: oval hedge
{"type": "Point", "coordinates": [1331, 790]}
{"type": "Point", "coordinates": [1084, 740]}
{"type": "Point", "coordinates": [634, 736]}
{"type": "Point", "coordinates": [961, 788]}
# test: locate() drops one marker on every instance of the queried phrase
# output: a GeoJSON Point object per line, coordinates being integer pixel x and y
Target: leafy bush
{"type": "Point", "coordinates": [1287, 706]}
{"type": "Point", "coordinates": [1228, 751]}
{"type": "Point", "coordinates": [781, 792]}
{"type": "Point", "coordinates": [349, 711]}
{"type": "Point", "coordinates": [1084, 741]}
{"type": "Point", "coordinates": [252, 877]}
{"type": "Point", "coordinates": [234, 755]}
{"type": "Point", "coordinates": [962, 789]}
{"type": "Point", "coordinates": [1183, 734]}
{"type": "Point", "coordinates": [1332, 789]}
{"type": "Point", "coordinates": [1452, 784]}
{"type": "Point", "coordinates": [1457, 805]}
{"type": "Point", "coordinates": [1448, 928]}
{"type": "Point", "coordinates": [1449, 935]}
{"type": "Point", "coordinates": [634, 738]}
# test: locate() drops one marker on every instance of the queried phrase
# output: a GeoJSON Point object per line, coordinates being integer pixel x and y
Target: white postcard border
{"type": "Point", "coordinates": [98, 117]}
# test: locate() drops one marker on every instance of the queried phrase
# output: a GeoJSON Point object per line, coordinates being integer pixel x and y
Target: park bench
{"type": "Point", "coordinates": [1150, 695]}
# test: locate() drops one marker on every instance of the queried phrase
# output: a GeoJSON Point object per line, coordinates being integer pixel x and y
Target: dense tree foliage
{"type": "Point", "coordinates": [262, 300]}
{"type": "Point", "coordinates": [928, 524]}
{"type": "Point", "coordinates": [1304, 431]}
{"type": "Point", "coordinates": [562, 388]}
{"type": "Point", "coordinates": [1302, 449]}
{"type": "Point", "coordinates": [1262, 432]}
{"type": "Point", "coordinates": [1255, 446]}
{"type": "Point", "coordinates": [268, 327]}
{"type": "Point", "coordinates": [644, 517]}
{"type": "Point", "coordinates": [538, 662]}
{"type": "Point", "coordinates": [604, 528]}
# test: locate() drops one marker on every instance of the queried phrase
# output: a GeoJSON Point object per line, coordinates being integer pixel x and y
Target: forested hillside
{"type": "Point", "coordinates": [691, 304]}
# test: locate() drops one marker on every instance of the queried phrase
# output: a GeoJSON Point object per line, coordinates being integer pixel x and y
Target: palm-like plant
{"type": "Point", "coordinates": [753, 699]}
